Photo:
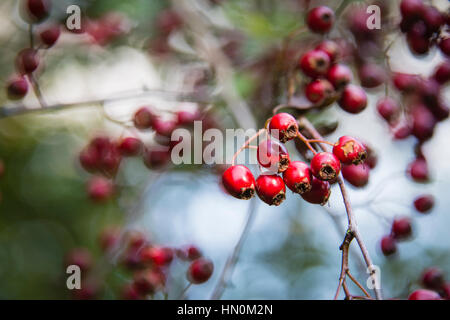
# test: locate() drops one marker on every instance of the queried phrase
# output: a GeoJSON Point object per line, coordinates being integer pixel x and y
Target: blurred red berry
{"type": "Point", "coordinates": [320, 19]}
{"type": "Point", "coordinates": [353, 99]}
{"type": "Point", "coordinates": [148, 281]}
{"type": "Point", "coordinates": [339, 75]}
{"type": "Point", "coordinates": [401, 228]}
{"type": "Point", "coordinates": [80, 257]}
{"type": "Point", "coordinates": [424, 203]}
{"type": "Point", "coordinates": [331, 48]}
{"type": "Point", "coordinates": [442, 72]}
{"type": "Point", "coordinates": [371, 75]}
{"type": "Point", "coordinates": [388, 109]}
{"type": "Point", "coordinates": [356, 175]}
{"type": "Point", "coordinates": [318, 91]}
{"type": "Point", "coordinates": [388, 245]}
{"type": "Point", "coordinates": [423, 294]}
{"type": "Point", "coordinates": [17, 88]}
{"type": "Point", "coordinates": [314, 63]}
{"type": "Point", "coordinates": [200, 271]}
{"type": "Point", "coordinates": [156, 157]}
{"type": "Point", "coordinates": [37, 10]}
{"type": "Point", "coordinates": [50, 35]}
{"type": "Point", "coordinates": [157, 256]}
{"type": "Point", "coordinates": [418, 170]}
{"type": "Point", "coordinates": [433, 278]}
{"type": "Point", "coordinates": [100, 189]}
{"type": "Point", "coordinates": [27, 61]}
{"type": "Point", "coordinates": [130, 146]}
{"type": "Point", "coordinates": [144, 118]}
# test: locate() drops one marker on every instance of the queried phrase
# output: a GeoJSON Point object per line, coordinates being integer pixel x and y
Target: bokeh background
{"type": "Point", "coordinates": [292, 251]}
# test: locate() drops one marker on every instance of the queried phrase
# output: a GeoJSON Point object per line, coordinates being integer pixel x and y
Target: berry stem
{"type": "Point", "coordinates": [320, 141]}
{"type": "Point", "coordinates": [246, 145]}
{"type": "Point", "coordinates": [306, 141]}
{"type": "Point", "coordinates": [31, 77]}
{"type": "Point", "coordinates": [183, 293]}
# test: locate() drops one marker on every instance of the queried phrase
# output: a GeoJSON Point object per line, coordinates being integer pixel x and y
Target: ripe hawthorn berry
{"type": "Point", "coordinates": [445, 291]}
{"type": "Point", "coordinates": [273, 154]}
{"type": "Point", "coordinates": [442, 72]}
{"type": "Point", "coordinates": [320, 19]}
{"type": "Point", "coordinates": [353, 99]}
{"type": "Point", "coordinates": [190, 252]}
{"type": "Point", "coordinates": [401, 228]}
{"type": "Point", "coordinates": [418, 170]}
{"type": "Point", "coordinates": [102, 156]}
{"type": "Point", "coordinates": [238, 180]}
{"type": "Point", "coordinates": [156, 157]}
{"type": "Point", "coordinates": [130, 146]}
{"type": "Point", "coordinates": [412, 9]}
{"type": "Point", "coordinates": [50, 35]}
{"type": "Point", "coordinates": [143, 118]}
{"type": "Point", "coordinates": [283, 127]}
{"type": "Point", "coordinates": [100, 189]}
{"type": "Point", "coordinates": [200, 271]}
{"type": "Point", "coordinates": [331, 48]}
{"type": "Point", "coordinates": [424, 203]}
{"type": "Point", "coordinates": [325, 166]}
{"type": "Point", "coordinates": [157, 256]}
{"type": "Point", "coordinates": [185, 118]}
{"type": "Point", "coordinates": [164, 127]}
{"type": "Point", "coordinates": [371, 75]}
{"type": "Point", "coordinates": [356, 175]}
{"type": "Point", "coordinates": [388, 109]}
{"type": "Point", "coordinates": [17, 88]}
{"type": "Point", "coordinates": [339, 75]}
{"type": "Point", "coordinates": [148, 281]}
{"type": "Point", "coordinates": [315, 63]}
{"type": "Point", "coordinates": [319, 193]}
{"type": "Point", "coordinates": [423, 122]}
{"type": "Point", "coordinates": [37, 10]}
{"type": "Point", "coordinates": [424, 294]}
{"type": "Point", "coordinates": [298, 177]}
{"type": "Point", "coordinates": [433, 19]}
{"type": "Point", "coordinates": [27, 61]}
{"type": "Point", "coordinates": [444, 45]}
{"type": "Point", "coordinates": [349, 150]}
{"type": "Point", "coordinates": [405, 82]}
{"type": "Point", "coordinates": [432, 278]}
{"type": "Point", "coordinates": [388, 245]}
{"type": "Point", "coordinates": [319, 91]}
{"type": "Point", "coordinates": [271, 189]}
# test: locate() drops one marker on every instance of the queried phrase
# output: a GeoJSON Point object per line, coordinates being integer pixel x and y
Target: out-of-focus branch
{"type": "Point", "coordinates": [31, 77]}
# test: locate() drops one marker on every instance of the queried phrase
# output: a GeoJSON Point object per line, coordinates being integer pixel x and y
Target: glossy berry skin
{"type": "Point", "coordinates": [100, 189]}
{"type": "Point", "coordinates": [283, 127]}
{"type": "Point", "coordinates": [130, 146]}
{"type": "Point", "coordinates": [388, 109]}
{"type": "Point", "coordinates": [38, 10]}
{"type": "Point", "coordinates": [371, 75]}
{"type": "Point", "coordinates": [356, 175]}
{"type": "Point", "coordinates": [423, 294]}
{"type": "Point", "coordinates": [273, 155]}
{"type": "Point", "coordinates": [17, 88]}
{"type": "Point", "coordinates": [315, 63]}
{"type": "Point", "coordinates": [27, 61]}
{"type": "Point", "coordinates": [143, 118]}
{"type": "Point", "coordinates": [157, 256]}
{"type": "Point", "coordinates": [325, 166]}
{"type": "Point", "coordinates": [442, 72]}
{"type": "Point", "coordinates": [298, 177]}
{"type": "Point", "coordinates": [318, 91]}
{"type": "Point", "coordinates": [339, 75]}
{"type": "Point", "coordinates": [271, 189]}
{"type": "Point", "coordinates": [433, 278]}
{"type": "Point", "coordinates": [320, 19]}
{"type": "Point", "coordinates": [238, 180]}
{"type": "Point", "coordinates": [349, 150]}
{"type": "Point", "coordinates": [353, 99]}
{"type": "Point", "coordinates": [50, 35]}
{"type": "Point", "coordinates": [156, 157]}
{"type": "Point", "coordinates": [418, 170]}
{"type": "Point", "coordinates": [331, 48]}
{"type": "Point", "coordinates": [388, 245]}
{"type": "Point", "coordinates": [424, 203]}
{"type": "Point", "coordinates": [401, 228]}
{"type": "Point", "coordinates": [200, 271]}
{"type": "Point", "coordinates": [319, 193]}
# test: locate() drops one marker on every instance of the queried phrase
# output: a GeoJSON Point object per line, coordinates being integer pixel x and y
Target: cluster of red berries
{"type": "Point", "coordinates": [311, 181]}
{"type": "Point", "coordinates": [433, 280]}
{"type": "Point", "coordinates": [422, 24]}
{"type": "Point", "coordinates": [148, 263]}
{"type": "Point", "coordinates": [28, 60]}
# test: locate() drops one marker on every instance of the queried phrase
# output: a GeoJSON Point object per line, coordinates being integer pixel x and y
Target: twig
{"type": "Point", "coordinates": [184, 292]}
{"type": "Point", "coordinates": [31, 77]}
{"type": "Point", "coordinates": [233, 258]}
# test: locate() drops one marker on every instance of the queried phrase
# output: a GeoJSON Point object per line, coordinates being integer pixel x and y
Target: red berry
{"type": "Point", "coordinates": [405, 82]}
{"type": "Point", "coordinates": [418, 44]}
{"type": "Point", "coordinates": [339, 75]}
{"type": "Point", "coordinates": [271, 189]}
{"type": "Point", "coordinates": [401, 228]}
{"type": "Point", "coordinates": [101, 155]}
{"type": "Point", "coordinates": [298, 177]}
{"type": "Point", "coordinates": [433, 278]}
{"type": "Point", "coordinates": [156, 157]}
{"type": "Point", "coordinates": [445, 291]}
{"type": "Point", "coordinates": [100, 189]}
{"type": "Point", "coordinates": [423, 122]}
{"type": "Point", "coordinates": [444, 45]}
{"type": "Point", "coordinates": [318, 91]}
{"type": "Point", "coordinates": [157, 256]}
{"type": "Point", "coordinates": [402, 131]}
{"type": "Point", "coordinates": [200, 271]}
{"type": "Point", "coordinates": [80, 257]}
{"type": "Point", "coordinates": [319, 193]}
{"type": "Point", "coordinates": [283, 127]}
{"type": "Point", "coordinates": [143, 118]}
{"type": "Point", "coordinates": [273, 154]}
{"type": "Point", "coordinates": [325, 166]}
{"type": "Point", "coordinates": [148, 281]}
{"type": "Point", "coordinates": [164, 127]}
{"type": "Point", "coordinates": [50, 35]}
{"type": "Point", "coordinates": [130, 292]}
{"type": "Point", "coordinates": [130, 146]}
{"type": "Point", "coordinates": [433, 18]}
{"type": "Point", "coordinates": [353, 99]}
{"type": "Point", "coordinates": [442, 72]}
{"type": "Point", "coordinates": [372, 158]}
{"type": "Point", "coordinates": [38, 10]}
{"type": "Point", "coordinates": [423, 294]}
{"type": "Point", "coordinates": [412, 9]}
{"type": "Point", "coordinates": [349, 151]}
{"type": "Point", "coordinates": [331, 48]}
{"type": "Point", "coordinates": [89, 290]}
{"type": "Point", "coordinates": [388, 109]}
{"type": "Point", "coordinates": [388, 245]}
{"type": "Point", "coordinates": [418, 170]}
{"type": "Point", "coordinates": [424, 203]}
{"type": "Point", "coordinates": [185, 118]}
{"type": "Point", "coordinates": [190, 252]}
{"type": "Point", "coordinates": [109, 238]}
{"type": "Point", "coordinates": [27, 61]}
{"type": "Point", "coordinates": [17, 88]}
{"type": "Point", "coordinates": [356, 175]}
{"type": "Point", "coordinates": [371, 75]}
{"type": "Point", "coordinates": [315, 63]}
{"type": "Point", "coordinates": [239, 182]}
{"type": "Point", "coordinates": [320, 19]}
